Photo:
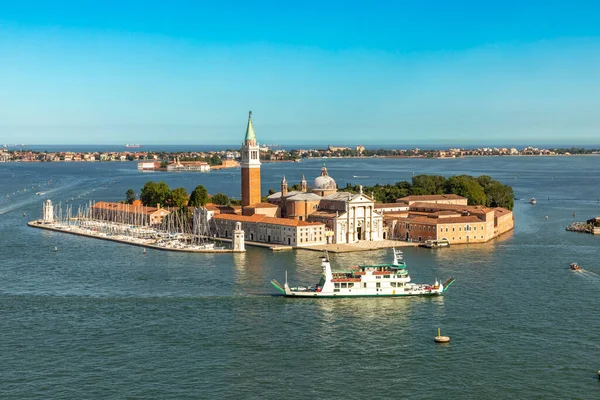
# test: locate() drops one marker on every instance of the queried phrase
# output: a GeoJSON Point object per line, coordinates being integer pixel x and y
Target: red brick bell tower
{"type": "Point", "coordinates": [250, 167]}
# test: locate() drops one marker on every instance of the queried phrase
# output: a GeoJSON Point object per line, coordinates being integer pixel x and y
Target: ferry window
{"type": "Point", "coordinates": [344, 285]}
{"type": "Point", "coordinates": [393, 284]}
{"type": "Point", "coordinates": [386, 276]}
{"type": "Point", "coordinates": [351, 285]}
{"type": "Point", "coordinates": [336, 290]}
{"type": "Point", "coordinates": [378, 277]}
{"type": "Point", "coordinates": [365, 285]}
{"type": "Point", "coordinates": [337, 285]}
{"type": "Point", "coordinates": [378, 284]}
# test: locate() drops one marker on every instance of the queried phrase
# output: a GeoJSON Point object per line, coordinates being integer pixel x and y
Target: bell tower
{"type": "Point", "coordinates": [250, 167]}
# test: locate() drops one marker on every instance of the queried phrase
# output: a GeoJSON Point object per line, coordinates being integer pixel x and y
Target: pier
{"type": "Point", "coordinates": [149, 243]}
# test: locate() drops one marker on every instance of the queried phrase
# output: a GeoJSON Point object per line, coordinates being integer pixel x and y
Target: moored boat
{"type": "Point", "coordinates": [365, 281]}
{"type": "Point", "coordinates": [432, 244]}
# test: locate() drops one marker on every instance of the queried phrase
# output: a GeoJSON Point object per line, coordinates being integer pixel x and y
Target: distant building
{"type": "Point", "coordinates": [336, 149]}
{"type": "Point", "coordinates": [177, 165]}
{"type": "Point", "coordinates": [148, 166]}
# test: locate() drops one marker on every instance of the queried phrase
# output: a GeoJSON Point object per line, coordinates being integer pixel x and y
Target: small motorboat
{"type": "Point", "coordinates": [533, 200]}
{"type": "Point", "coordinates": [574, 267]}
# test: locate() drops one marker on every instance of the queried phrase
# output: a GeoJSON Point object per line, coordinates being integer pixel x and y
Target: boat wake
{"type": "Point", "coordinates": [588, 275]}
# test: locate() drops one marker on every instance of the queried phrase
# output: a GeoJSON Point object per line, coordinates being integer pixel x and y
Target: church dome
{"type": "Point", "coordinates": [324, 182]}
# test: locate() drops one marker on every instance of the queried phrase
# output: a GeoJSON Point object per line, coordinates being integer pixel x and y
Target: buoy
{"type": "Point", "coordinates": [546, 217]}
{"type": "Point", "coordinates": [441, 339]}
{"type": "Point", "coordinates": [144, 251]}
{"type": "Point", "coordinates": [55, 249]}
{"type": "Point", "coordinates": [598, 374]}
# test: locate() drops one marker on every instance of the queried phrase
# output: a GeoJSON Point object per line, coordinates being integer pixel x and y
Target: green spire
{"type": "Point", "coordinates": [250, 130]}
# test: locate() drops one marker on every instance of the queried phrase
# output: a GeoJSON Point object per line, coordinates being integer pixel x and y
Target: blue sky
{"type": "Point", "coordinates": [420, 72]}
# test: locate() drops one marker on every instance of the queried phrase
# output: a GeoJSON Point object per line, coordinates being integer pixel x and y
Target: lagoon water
{"type": "Point", "coordinates": [101, 319]}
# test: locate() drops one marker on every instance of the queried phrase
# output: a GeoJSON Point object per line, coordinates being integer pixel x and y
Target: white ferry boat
{"type": "Point", "coordinates": [365, 280]}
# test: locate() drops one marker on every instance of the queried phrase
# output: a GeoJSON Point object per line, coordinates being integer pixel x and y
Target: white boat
{"type": "Point", "coordinates": [533, 200]}
{"type": "Point", "coordinates": [431, 244]}
{"type": "Point", "coordinates": [365, 281]}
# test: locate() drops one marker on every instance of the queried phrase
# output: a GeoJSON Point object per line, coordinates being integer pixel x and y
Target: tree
{"type": "Point", "coordinates": [163, 164]}
{"type": "Point", "coordinates": [428, 184]}
{"type": "Point", "coordinates": [129, 196]}
{"type": "Point", "coordinates": [155, 193]}
{"type": "Point", "coordinates": [178, 197]}
{"type": "Point", "coordinates": [220, 198]}
{"type": "Point", "coordinates": [499, 195]}
{"type": "Point", "coordinates": [466, 186]}
{"type": "Point", "coordinates": [199, 197]}
{"type": "Point", "coordinates": [485, 181]}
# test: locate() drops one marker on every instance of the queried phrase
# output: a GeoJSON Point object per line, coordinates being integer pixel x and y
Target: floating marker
{"type": "Point", "coordinates": [441, 339]}
{"type": "Point", "coordinates": [55, 249]}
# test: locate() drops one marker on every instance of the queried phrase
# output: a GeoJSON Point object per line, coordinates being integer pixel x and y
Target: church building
{"type": "Point", "coordinates": [349, 217]}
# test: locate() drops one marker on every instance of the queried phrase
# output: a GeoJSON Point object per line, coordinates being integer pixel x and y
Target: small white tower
{"type": "Point", "coordinates": [48, 211]}
{"type": "Point", "coordinates": [238, 238]}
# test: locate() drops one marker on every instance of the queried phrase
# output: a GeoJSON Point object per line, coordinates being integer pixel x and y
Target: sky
{"type": "Point", "coordinates": [325, 72]}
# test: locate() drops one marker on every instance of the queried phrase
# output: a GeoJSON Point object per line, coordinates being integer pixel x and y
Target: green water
{"type": "Point", "coordinates": [104, 320]}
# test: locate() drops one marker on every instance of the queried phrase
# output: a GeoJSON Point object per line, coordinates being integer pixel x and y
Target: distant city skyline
{"type": "Point", "coordinates": [438, 73]}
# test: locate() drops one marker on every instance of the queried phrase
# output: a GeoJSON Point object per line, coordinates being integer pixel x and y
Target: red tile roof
{"type": "Point", "coordinates": [432, 197]}
{"type": "Point", "coordinates": [125, 207]}
{"type": "Point", "coordinates": [266, 220]}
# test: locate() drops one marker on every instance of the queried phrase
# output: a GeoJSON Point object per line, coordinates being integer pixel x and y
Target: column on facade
{"type": "Point", "coordinates": [355, 233]}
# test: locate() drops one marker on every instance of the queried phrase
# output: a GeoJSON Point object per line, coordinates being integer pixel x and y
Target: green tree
{"type": "Point", "coordinates": [163, 164]}
{"type": "Point", "coordinates": [466, 186]}
{"type": "Point", "coordinates": [129, 196]}
{"type": "Point", "coordinates": [485, 181]}
{"type": "Point", "coordinates": [220, 198]}
{"type": "Point", "coordinates": [154, 193]}
{"type": "Point", "coordinates": [178, 197]}
{"type": "Point", "coordinates": [199, 197]}
{"type": "Point", "coordinates": [499, 195]}
{"type": "Point", "coordinates": [428, 184]}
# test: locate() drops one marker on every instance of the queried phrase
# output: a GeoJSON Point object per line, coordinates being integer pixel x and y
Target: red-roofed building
{"type": "Point", "coordinates": [134, 214]}
{"type": "Point", "coordinates": [265, 229]}
{"type": "Point", "coordinates": [452, 222]}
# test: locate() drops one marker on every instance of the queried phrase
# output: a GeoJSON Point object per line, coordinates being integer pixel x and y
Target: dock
{"type": "Point", "coordinates": [74, 230]}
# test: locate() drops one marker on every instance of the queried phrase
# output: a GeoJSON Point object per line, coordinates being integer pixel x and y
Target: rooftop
{"type": "Point", "coordinates": [129, 208]}
{"type": "Point", "coordinates": [266, 220]}
{"type": "Point", "coordinates": [431, 197]}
